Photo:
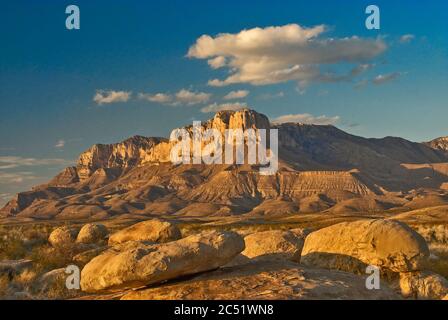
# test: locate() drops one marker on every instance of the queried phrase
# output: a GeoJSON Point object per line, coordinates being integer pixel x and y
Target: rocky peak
{"type": "Point", "coordinates": [439, 144]}
{"type": "Point", "coordinates": [127, 153]}
{"type": "Point", "coordinates": [241, 119]}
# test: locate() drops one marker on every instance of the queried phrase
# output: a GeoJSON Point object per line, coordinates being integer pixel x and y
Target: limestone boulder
{"type": "Point", "coordinates": [134, 264]}
{"type": "Point", "coordinates": [92, 233]}
{"type": "Point", "coordinates": [274, 244]}
{"type": "Point", "coordinates": [423, 285]}
{"type": "Point", "coordinates": [352, 246]}
{"type": "Point", "coordinates": [154, 230]}
{"type": "Point", "coordinates": [62, 236]}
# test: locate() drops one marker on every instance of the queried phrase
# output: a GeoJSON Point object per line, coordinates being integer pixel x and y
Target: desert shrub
{"type": "Point", "coordinates": [440, 265]}
{"type": "Point", "coordinates": [48, 258]}
{"type": "Point", "coordinates": [12, 248]}
{"type": "Point", "coordinates": [58, 291]}
{"type": "Point", "coordinates": [26, 277]}
{"type": "Point", "coordinates": [4, 286]}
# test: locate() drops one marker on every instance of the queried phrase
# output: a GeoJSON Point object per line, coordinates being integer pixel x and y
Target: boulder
{"type": "Point", "coordinates": [352, 246]}
{"type": "Point", "coordinates": [135, 264]}
{"type": "Point", "coordinates": [92, 233]}
{"type": "Point", "coordinates": [423, 285]}
{"type": "Point", "coordinates": [154, 230]}
{"type": "Point", "coordinates": [267, 280]}
{"type": "Point", "coordinates": [62, 236]}
{"type": "Point", "coordinates": [274, 244]}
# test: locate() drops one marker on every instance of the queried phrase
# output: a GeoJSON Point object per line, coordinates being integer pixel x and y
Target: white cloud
{"type": "Point", "coordinates": [224, 106]}
{"type": "Point", "coordinates": [217, 62]}
{"type": "Point", "coordinates": [261, 56]}
{"type": "Point", "coordinates": [109, 96]}
{"type": "Point", "coordinates": [306, 118]}
{"type": "Point", "coordinates": [406, 38]}
{"type": "Point", "coordinates": [270, 96]}
{"type": "Point", "coordinates": [11, 162]}
{"type": "Point", "coordinates": [191, 98]}
{"type": "Point", "coordinates": [60, 144]}
{"type": "Point", "coordinates": [182, 97]}
{"type": "Point", "coordinates": [236, 95]}
{"type": "Point", "coordinates": [16, 177]}
{"type": "Point", "coordinates": [158, 97]}
{"type": "Point", "coordinates": [383, 78]}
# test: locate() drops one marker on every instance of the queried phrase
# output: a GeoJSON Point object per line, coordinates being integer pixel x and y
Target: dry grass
{"type": "Point", "coordinates": [4, 285]}
{"type": "Point", "coordinates": [30, 242]}
{"type": "Point", "coordinates": [440, 264]}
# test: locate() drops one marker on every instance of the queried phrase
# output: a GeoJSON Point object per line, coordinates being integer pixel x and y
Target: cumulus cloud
{"type": "Point", "coordinates": [109, 96]}
{"type": "Point", "coordinates": [215, 107]}
{"type": "Point", "coordinates": [217, 62]}
{"type": "Point", "coordinates": [306, 118]}
{"type": "Point", "coordinates": [383, 78]}
{"type": "Point", "coordinates": [262, 56]}
{"type": "Point", "coordinates": [182, 97]}
{"type": "Point", "coordinates": [11, 162]}
{"type": "Point", "coordinates": [158, 97]}
{"type": "Point", "coordinates": [239, 94]}
{"type": "Point", "coordinates": [406, 38]}
{"type": "Point", "coordinates": [190, 98]}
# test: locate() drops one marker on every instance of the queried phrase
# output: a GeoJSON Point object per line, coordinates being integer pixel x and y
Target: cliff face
{"type": "Point", "coordinates": [320, 168]}
{"type": "Point", "coordinates": [244, 119]}
{"type": "Point", "coordinates": [129, 153]}
{"type": "Point", "coordinates": [138, 150]}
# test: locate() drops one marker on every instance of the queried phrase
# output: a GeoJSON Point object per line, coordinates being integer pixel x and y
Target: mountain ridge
{"type": "Point", "coordinates": [320, 167]}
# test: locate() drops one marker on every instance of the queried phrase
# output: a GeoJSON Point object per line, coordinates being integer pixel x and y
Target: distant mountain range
{"type": "Point", "coordinates": [321, 169]}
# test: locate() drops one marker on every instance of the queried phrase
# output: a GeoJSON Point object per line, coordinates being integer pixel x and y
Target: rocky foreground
{"type": "Point", "coordinates": [153, 260]}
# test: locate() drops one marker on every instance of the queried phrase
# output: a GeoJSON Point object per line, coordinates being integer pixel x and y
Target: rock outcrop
{"type": "Point", "coordinates": [267, 280]}
{"type": "Point", "coordinates": [135, 264]}
{"type": "Point", "coordinates": [154, 230]}
{"type": "Point", "coordinates": [423, 285]}
{"type": "Point", "coordinates": [92, 233]}
{"type": "Point", "coordinates": [351, 246]}
{"type": "Point", "coordinates": [439, 144]}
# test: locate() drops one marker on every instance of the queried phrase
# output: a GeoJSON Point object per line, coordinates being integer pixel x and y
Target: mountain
{"type": "Point", "coordinates": [321, 168]}
{"type": "Point", "coordinates": [439, 144]}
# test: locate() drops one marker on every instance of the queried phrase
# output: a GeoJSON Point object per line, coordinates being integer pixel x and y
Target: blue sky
{"type": "Point", "coordinates": [50, 75]}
